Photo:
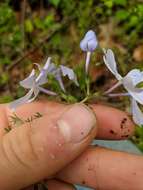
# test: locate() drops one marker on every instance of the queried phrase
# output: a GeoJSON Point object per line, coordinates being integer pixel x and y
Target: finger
{"type": "Point", "coordinates": [105, 169]}
{"type": "Point", "coordinates": [39, 149]}
{"type": "Point", "coordinates": [113, 123]}
{"type": "Point", "coordinates": [59, 185]}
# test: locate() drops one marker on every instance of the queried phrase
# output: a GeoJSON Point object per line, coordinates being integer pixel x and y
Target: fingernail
{"type": "Point", "coordinates": [76, 123]}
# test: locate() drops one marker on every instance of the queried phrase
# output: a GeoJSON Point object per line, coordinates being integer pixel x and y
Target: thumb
{"type": "Point", "coordinates": [39, 149]}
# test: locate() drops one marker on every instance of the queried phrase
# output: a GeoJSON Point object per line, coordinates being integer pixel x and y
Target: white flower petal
{"type": "Point", "coordinates": [92, 45]}
{"type": "Point", "coordinates": [13, 105]}
{"type": "Point", "coordinates": [47, 64]}
{"type": "Point", "coordinates": [70, 73]}
{"type": "Point", "coordinates": [29, 81]}
{"type": "Point", "coordinates": [59, 79]}
{"type": "Point", "coordinates": [83, 45]}
{"type": "Point", "coordinates": [129, 84]}
{"type": "Point", "coordinates": [137, 113]}
{"type": "Point", "coordinates": [35, 93]}
{"type": "Point", "coordinates": [89, 42]}
{"type": "Point", "coordinates": [138, 96]}
{"type": "Point", "coordinates": [136, 93]}
{"type": "Point", "coordinates": [52, 68]}
{"type": "Point", "coordinates": [110, 62]}
{"type": "Point", "coordinates": [42, 77]}
{"type": "Point", "coordinates": [136, 76]}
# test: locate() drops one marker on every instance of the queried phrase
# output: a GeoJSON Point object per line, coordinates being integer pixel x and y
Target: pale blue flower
{"type": "Point", "coordinates": [34, 83]}
{"type": "Point", "coordinates": [89, 44]}
{"type": "Point", "coordinates": [130, 82]}
{"type": "Point", "coordinates": [136, 112]}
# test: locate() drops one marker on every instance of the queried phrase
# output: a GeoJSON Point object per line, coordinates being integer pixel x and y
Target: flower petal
{"type": "Point", "coordinates": [130, 81]}
{"type": "Point", "coordinates": [29, 81]}
{"type": "Point", "coordinates": [35, 92]}
{"type": "Point", "coordinates": [110, 62]}
{"type": "Point", "coordinates": [136, 76]}
{"type": "Point", "coordinates": [23, 100]}
{"type": "Point", "coordinates": [129, 85]}
{"type": "Point", "coordinates": [42, 77]}
{"type": "Point", "coordinates": [137, 113]}
{"type": "Point", "coordinates": [70, 73]}
{"type": "Point", "coordinates": [138, 96]}
{"type": "Point", "coordinates": [89, 42]}
{"type": "Point", "coordinates": [60, 81]}
{"type": "Point", "coordinates": [52, 68]}
{"type": "Point", "coordinates": [136, 93]}
{"type": "Point", "coordinates": [47, 64]}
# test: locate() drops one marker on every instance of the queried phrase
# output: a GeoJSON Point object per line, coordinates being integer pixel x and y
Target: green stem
{"type": "Point", "coordinates": [84, 100]}
{"type": "Point", "coordinates": [89, 97]}
{"type": "Point", "coordinates": [87, 86]}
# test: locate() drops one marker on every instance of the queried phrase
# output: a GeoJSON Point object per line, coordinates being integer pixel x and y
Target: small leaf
{"type": "Point", "coordinates": [29, 26]}
{"type": "Point", "coordinates": [38, 23]}
{"type": "Point", "coordinates": [55, 2]}
{"type": "Point", "coordinates": [49, 20]}
{"type": "Point", "coordinates": [139, 85]}
{"type": "Point", "coordinates": [120, 2]}
{"type": "Point", "coordinates": [134, 20]}
{"type": "Point", "coordinates": [122, 15]}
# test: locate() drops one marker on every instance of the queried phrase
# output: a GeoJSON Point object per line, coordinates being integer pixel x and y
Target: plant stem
{"type": "Point", "coordinates": [87, 61]}
{"type": "Point", "coordinates": [47, 91]}
{"type": "Point", "coordinates": [84, 100]}
{"type": "Point", "coordinates": [87, 86]}
{"type": "Point", "coordinates": [113, 87]}
{"type": "Point", "coordinates": [118, 94]}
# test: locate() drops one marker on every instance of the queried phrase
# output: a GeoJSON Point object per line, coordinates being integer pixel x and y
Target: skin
{"type": "Point", "coordinates": [37, 151]}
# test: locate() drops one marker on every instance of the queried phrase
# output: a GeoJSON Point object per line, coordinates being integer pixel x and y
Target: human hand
{"type": "Point", "coordinates": [37, 151]}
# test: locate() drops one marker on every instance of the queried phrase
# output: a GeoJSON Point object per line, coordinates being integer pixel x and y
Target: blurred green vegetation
{"type": "Point", "coordinates": [32, 30]}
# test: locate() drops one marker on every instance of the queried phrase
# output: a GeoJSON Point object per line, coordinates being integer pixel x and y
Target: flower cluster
{"type": "Point", "coordinates": [129, 82]}
{"type": "Point", "coordinates": [34, 83]}
{"type": "Point", "coordinates": [89, 43]}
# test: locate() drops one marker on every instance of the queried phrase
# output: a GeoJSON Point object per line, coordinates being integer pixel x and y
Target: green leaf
{"type": "Point", "coordinates": [49, 20]}
{"type": "Point", "coordinates": [139, 85]}
{"type": "Point", "coordinates": [122, 15]}
{"type": "Point", "coordinates": [29, 26]}
{"type": "Point", "coordinates": [120, 2]}
{"type": "Point", "coordinates": [5, 61]}
{"type": "Point", "coordinates": [5, 98]}
{"type": "Point", "coordinates": [38, 23]}
{"type": "Point", "coordinates": [55, 2]}
{"type": "Point", "coordinates": [134, 20]}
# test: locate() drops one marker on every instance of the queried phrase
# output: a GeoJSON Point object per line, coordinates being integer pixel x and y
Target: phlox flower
{"type": "Point", "coordinates": [89, 44]}
{"type": "Point", "coordinates": [64, 71]}
{"type": "Point", "coordinates": [34, 83]}
{"type": "Point", "coordinates": [129, 81]}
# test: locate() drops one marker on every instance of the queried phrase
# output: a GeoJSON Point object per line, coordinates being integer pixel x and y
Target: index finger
{"type": "Point", "coordinates": [102, 169]}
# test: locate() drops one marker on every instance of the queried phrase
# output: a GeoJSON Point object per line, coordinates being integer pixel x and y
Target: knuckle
{"type": "Point", "coordinates": [18, 147]}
